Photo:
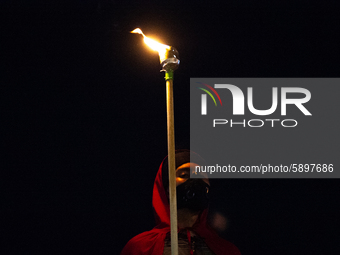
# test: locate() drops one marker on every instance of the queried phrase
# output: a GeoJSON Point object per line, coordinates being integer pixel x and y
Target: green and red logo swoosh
{"type": "Point", "coordinates": [209, 93]}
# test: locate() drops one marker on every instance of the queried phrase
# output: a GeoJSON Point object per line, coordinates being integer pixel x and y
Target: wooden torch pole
{"type": "Point", "coordinates": [172, 162]}
{"type": "Point", "coordinates": [169, 62]}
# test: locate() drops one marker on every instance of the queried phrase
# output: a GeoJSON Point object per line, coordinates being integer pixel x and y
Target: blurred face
{"type": "Point", "coordinates": [192, 193]}
{"type": "Point", "coordinates": [183, 173]}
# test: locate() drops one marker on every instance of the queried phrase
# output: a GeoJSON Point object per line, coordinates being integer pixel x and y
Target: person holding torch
{"type": "Point", "coordinates": [181, 221]}
{"type": "Point", "coordinates": [195, 236]}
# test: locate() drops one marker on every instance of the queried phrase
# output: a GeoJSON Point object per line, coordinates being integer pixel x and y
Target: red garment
{"type": "Point", "coordinates": [152, 242]}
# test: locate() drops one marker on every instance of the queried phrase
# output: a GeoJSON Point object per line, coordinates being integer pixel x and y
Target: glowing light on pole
{"type": "Point", "coordinates": [168, 57]}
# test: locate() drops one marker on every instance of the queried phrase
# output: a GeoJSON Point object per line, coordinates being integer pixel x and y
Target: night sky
{"type": "Point", "coordinates": [83, 119]}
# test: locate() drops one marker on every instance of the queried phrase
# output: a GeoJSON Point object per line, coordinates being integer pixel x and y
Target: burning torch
{"type": "Point", "coordinates": [169, 61]}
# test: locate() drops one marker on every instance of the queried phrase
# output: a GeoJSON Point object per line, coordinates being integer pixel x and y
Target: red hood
{"type": "Point", "coordinates": [161, 205]}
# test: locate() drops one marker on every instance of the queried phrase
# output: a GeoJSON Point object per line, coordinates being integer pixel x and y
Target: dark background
{"type": "Point", "coordinates": [84, 119]}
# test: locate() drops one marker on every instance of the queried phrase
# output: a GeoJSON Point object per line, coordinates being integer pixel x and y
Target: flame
{"type": "Point", "coordinates": [154, 45]}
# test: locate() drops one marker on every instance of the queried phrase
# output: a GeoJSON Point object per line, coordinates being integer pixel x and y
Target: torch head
{"type": "Point", "coordinates": [170, 60]}
{"type": "Point", "coordinates": [168, 55]}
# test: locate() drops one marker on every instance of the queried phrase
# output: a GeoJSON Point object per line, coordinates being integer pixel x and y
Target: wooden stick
{"type": "Point", "coordinates": [172, 166]}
